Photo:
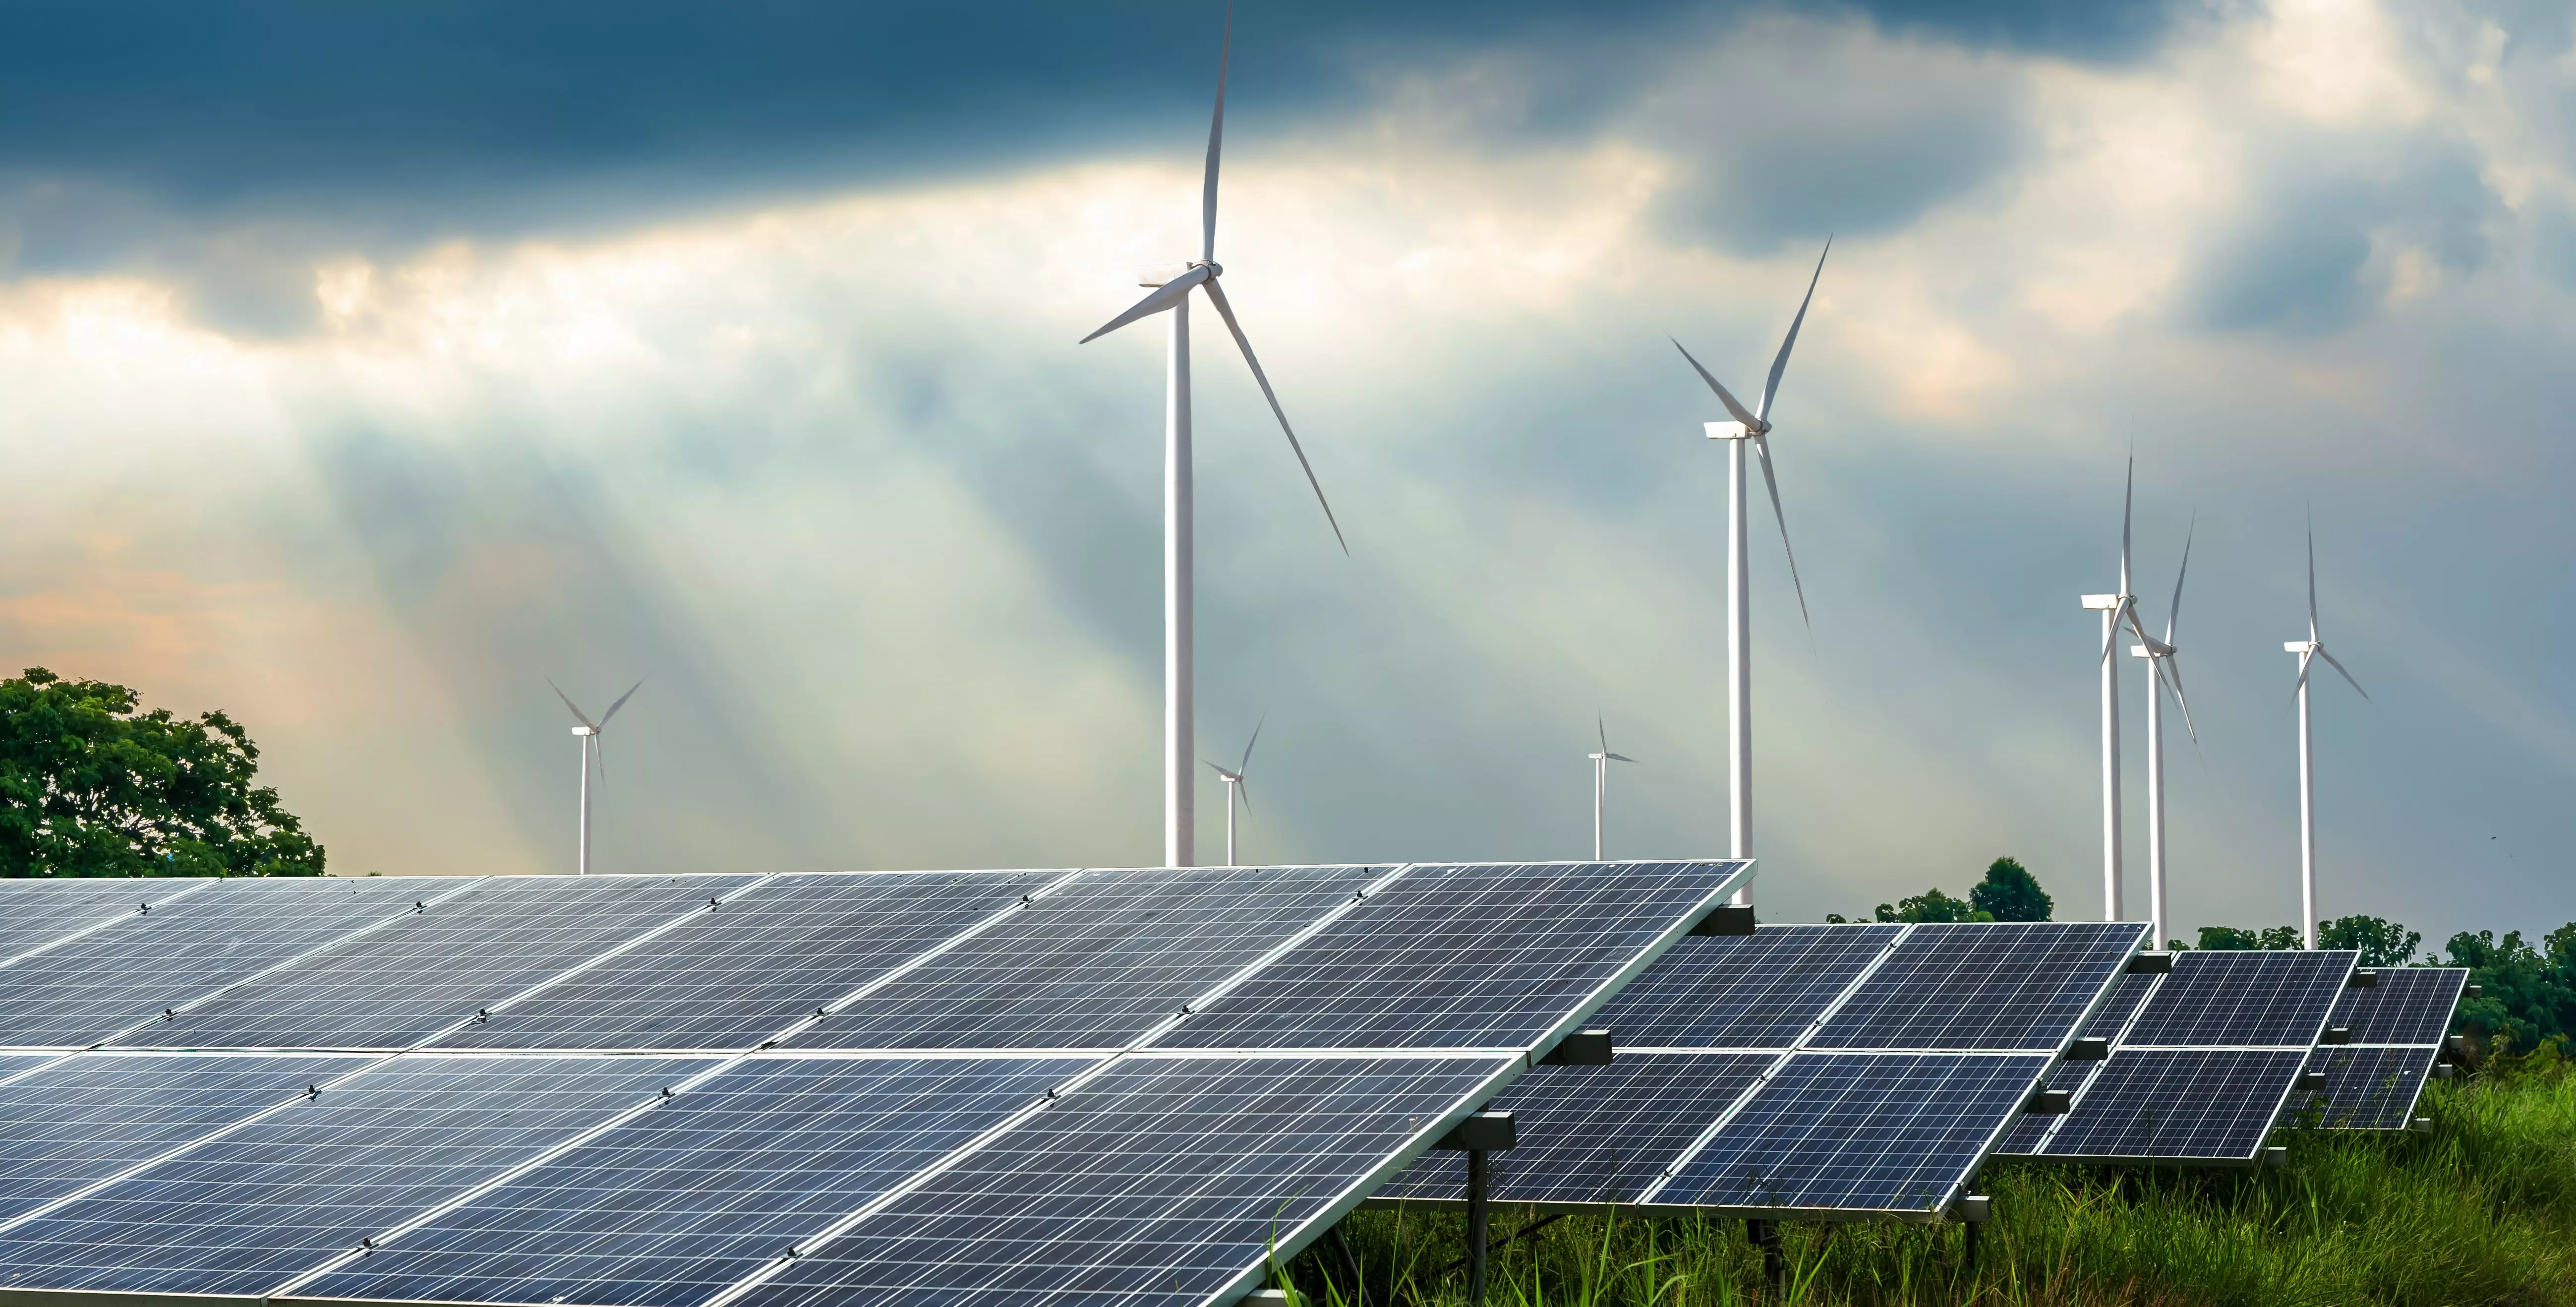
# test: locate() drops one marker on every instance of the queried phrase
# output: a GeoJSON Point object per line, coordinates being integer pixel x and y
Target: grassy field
{"type": "Point", "coordinates": [2480, 1209]}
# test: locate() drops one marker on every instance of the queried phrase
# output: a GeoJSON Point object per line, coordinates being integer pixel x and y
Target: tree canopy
{"type": "Point", "coordinates": [91, 785]}
{"type": "Point", "coordinates": [2010, 893]}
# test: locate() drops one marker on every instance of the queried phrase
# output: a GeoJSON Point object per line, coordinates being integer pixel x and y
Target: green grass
{"type": "Point", "coordinates": [2480, 1209]}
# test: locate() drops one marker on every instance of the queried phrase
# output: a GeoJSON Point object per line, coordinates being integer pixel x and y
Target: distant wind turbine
{"type": "Point", "coordinates": [1234, 785]}
{"type": "Point", "coordinates": [2309, 650]}
{"type": "Point", "coordinates": [1753, 427]}
{"type": "Point", "coordinates": [592, 750]}
{"type": "Point", "coordinates": [2115, 608]}
{"type": "Point", "coordinates": [2164, 674]}
{"type": "Point", "coordinates": [1601, 780]}
{"type": "Point", "coordinates": [1172, 293]}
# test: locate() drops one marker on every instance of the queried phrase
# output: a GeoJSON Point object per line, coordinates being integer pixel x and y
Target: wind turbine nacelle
{"type": "Point", "coordinates": [2295, 646]}
{"type": "Point", "coordinates": [1159, 276]}
{"type": "Point", "coordinates": [1728, 431]}
{"type": "Point", "coordinates": [2101, 601]}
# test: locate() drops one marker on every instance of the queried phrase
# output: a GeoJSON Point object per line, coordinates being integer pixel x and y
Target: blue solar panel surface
{"type": "Point", "coordinates": [245, 1212]}
{"type": "Point", "coordinates": [2216, 998]}
{"type": "Point", "coordinates": [92, 1118]}
{"type": "Point", "coordinates": [1595, 1134]}
{"type": "Point", "coordinates": [2000, 985]}
{"type": "Point", "coordinates": [395, 987]}
{"type": "Point", "coordinates": [2408, 1005]}
{"type": "Point", "coordinates": [2120, 1006]}
{"type": "Point", "coordinates": [1095, 964]}
{"type": "Point", "coordinates": [35, 913]}
{"type": "Point", "coordinates": [1859, 1132]}
{"type": "Point", "coordinates": [1461, 957]}
{"type": "Point", "coordinates": [1742, 991]}
{"type": "Point", "coordinates": [1164, 1181]}
{"type": "Point", "coordinates": [750, 969]}
{"type": "Point", "coordinates": [2212, 1105]}
{"type": "Point", "coordinates": [2369, 1087]}
{"type": "Point", "coordinates": [672, 1207]}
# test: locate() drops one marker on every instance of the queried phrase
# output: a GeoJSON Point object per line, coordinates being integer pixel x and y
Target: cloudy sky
{"type": "Point", "coordinates": [360, 367]}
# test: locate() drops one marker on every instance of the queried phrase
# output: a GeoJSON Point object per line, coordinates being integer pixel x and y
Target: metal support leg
{"type": "Point", "coordinates": [1351, 1263]}
{"type": "Point", "coordinates": [1775, 1265]}
{"type": "Point", "coordinates": [1968, 1233]}
{"type": "Point", "coordinates": [1476, 1180]}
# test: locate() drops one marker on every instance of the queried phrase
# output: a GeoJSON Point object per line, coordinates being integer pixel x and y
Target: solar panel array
{"type": "Point", "coordinates": [2396, 1028]}
{"type": "Point", "coordinates": [1810, 1071]}
{"type": "Point", "coordinates": [2204, 1058]}
{"type": "Point", "coordinates": [1102, 1086]}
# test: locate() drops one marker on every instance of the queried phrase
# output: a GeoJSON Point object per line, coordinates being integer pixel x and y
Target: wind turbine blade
{"type": "Point", "coordinates": [2312, 581]}
{"type": "Point", "coordinates": [599, 754]}
{"type": "Point", "coordinates": [1216, 296]}
{"type": "Point", "coordinates": [1751, 423]}
{"type": "Point", "coordinates": [2111, 637]}
{"type": "Point", "coordinates": [1244, 788]}
{"type": "Point", "coordinates": [1217, 767]}
{"type": "Point", "coordinates": [1790, 341]}
{"type": "Point", "coordinates": [1161, 298]}
{"type": "Point", "coordinates": [1216, 142]}
{"type": "Point", "coordinates": [2174, 614]}
{"type": "Point", "coordinates": [2330, 662]}
{"type": "Point", "coordinates": [1618, 757]}
{"type": "Point", "coordinates": [2128, 497]}
{"type": "Point", "coordinates": [568, 703]}
{"type": "Point", "coordinates": [621, 702]}
{"type": "Point", "coordinates": [1603, 732]}
{"type": "Point", "coordinates": [1246, 764]}
{"type": "Point", "coordinates": [2173, 682]}
{"type": "Point", "coordinates": [1762, 451]}
{"type": "Point", "coordinates": [2304, 660]}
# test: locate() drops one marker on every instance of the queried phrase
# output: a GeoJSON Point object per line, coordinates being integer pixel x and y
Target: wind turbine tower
{"type": "Point", "coordinates": [1171, 294]}
{"type": "Point", "coordinates": [2114, 608]}
{"type": "Point", "coordinates": [589, 735]}
{"type": "Point", "coordinates": [2164, 674]}
{"type": "Point", "coordinates": [1753, 427]}
{"type": "Point", "coordinates": [1234, 785]}
{"type": "Point", "coordinates": [2308, 650]}
{"type": "Point", "coordinates": [1601, 780]}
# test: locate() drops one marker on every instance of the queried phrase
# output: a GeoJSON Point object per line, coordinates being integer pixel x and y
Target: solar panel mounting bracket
{"type": "Point", "coordinates": [1726, 919]}
{"type": "Point", "coordinates": [2049, 1102]}
{"type": "Point", "coordinates": [1972, 1209]}
{"type": "Point", "coordinates": [2089, 1049]}
{"type": "Point", "coordinates": [2335, 1035]}
{"type": "Point", "coordinates": [2150, 962]}
{"type": "Point", "coordinates": [2363, 978]}
{"type": "Point", "coordinates": [1481, 1132]}
{"type": "Point", "coordinates": [1589, 1047]}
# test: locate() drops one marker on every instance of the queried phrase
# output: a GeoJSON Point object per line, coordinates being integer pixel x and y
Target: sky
{"type": "Point", "coordinates": [361, 368]}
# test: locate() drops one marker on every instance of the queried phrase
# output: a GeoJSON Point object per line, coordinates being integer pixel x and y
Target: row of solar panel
{"type": "Point", "coordinates": [946, 960]}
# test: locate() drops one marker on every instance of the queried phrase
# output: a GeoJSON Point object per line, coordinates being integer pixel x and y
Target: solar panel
{"type": "Point", "coordinates": [2217, 998]}
{"type": "Point", "coordinates": [37, 912]}
{"type": "Point", "coordinates": [2000, 985]}
{"type": "Point", "coordinates": [1595, 1134]}
{"type": "Point", "coordinates": [1463, 957]}
{"type": "Point", "coordinates": [90, 988]}
{"type": "Point", "coordinates": [2369, 1087]}
{"type": "Point", "coordinates": [244, 1212]}
{"type": "Point", "coordinates": [1166, 1180]}
{"type": "Point", "coordinates": [670, 1208]}
{"type": "Point", "coordinates": [395, 987]}
{"type": "Point", "coordinates": [1858, 1132]}
{"type": "Point", "coordinates": [2120, 1005]}
{"type": "Point", "coordinates": [2407, 1005]}
{"type": "Point", "coordinates": [1095, 964]}
{"type": "Point", "coordinates": [93, 1117]}
{"type": "Point", "coordinates": [1742, 991]}
{"type": "Point", "coordinates": [2207, 1105]}
{"type": "Point", "coordinates": [739, 975]}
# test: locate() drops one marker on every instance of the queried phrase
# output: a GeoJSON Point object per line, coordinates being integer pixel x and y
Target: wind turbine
{"type": "Point", "coordinates": [2164, 674]}
{"type": "Point", "coordinates": [1755, 428]}
{"type": "Point", "coordinates": [2115, 607]}
{"type": "Point", "coordinates": [2308, 650]}
{"type": "Point", "coordinates": [1172, 294]}
{"type": "Point", "coordinates": [1601, 780]}
{"type": "Point", "coordinates": [1234, 785]}
{"type": "Point", "coordinates": [588, 734]}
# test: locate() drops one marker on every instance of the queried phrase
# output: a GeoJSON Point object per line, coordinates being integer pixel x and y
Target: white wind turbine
{"type": "Point", "coordinates": [1601, 780]}
{"type": "Point", "coordinates": [1755, 428]}
{"type": "Point", "coordinates": [2164, 674]}
{"type": "Point", "coordinates": [1234, 785]}
{"type": "Point", "coordinates": [588, 734]}
{"type": "Point", "coordinates": [2115, 608]}
{"type": "Point", "coordinates": [2308, 650]}
{"type": "Point", "coordinates": [1172, 294]}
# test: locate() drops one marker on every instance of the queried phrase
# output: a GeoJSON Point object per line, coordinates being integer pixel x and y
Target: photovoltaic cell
{"type": "Point", "coordinates": [93, 1117]}
{"type": "Point", "coordinates": [243, 1213]}
{"type": "Point", "coordinates": [2118, 1006]}
{"type": "Point", "coordinates": [1742, 991]}
{"type": "Point", "coordinates": [394, 987]}
{"type": "Point", "coordinates": [2409, 1005]}
{"type": "Point", "coordinates": [2369, 1087]}
{"type": "Point", "coordinates": [1164, 1181]}
{"type": "Point", "coordinates": [2182, 1105]}
{"type": "Point", "coordinates": [1859, 1132]}
{"type": "Point", "coordinates": [1461, 957]}
{"type": "Point", "coordinates": [1995, 985]}
{"type": "Point", "coordinates": [36, 912]}
{"type": "Point", "coordinates": [747, 971]}
{"type": "Point", "coordinates": [1595, 1134]}
{"type": "Point", "coordinates": [672, 1207]}
{"type": "Point", "coordinates": [1095, 964]}
{"type": "Point", "coordinates": [87, 990]}
{"type": "Point", "coordinates": [2217, 998]}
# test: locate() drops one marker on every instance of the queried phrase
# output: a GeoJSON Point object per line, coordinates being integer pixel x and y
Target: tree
{"type": "Point", "coordinates": [2010, 893]}
{"type": "Point", "coordinates": [2527, 994]}
{"type": "Point", "coordinates": [2229, 937]}
{"type": "Point", "coordinates": [2382, 943]}
{"type": "Point", "coordinates": [90, 785]}
{"type": "Point", "coordinates": [1932, 905]}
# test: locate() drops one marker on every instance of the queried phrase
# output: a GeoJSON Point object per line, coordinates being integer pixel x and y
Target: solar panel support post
{"type": "Point", "coordinates": [1480, 1135]}
{"type": "Point", "coordinates": [1775, 1264]}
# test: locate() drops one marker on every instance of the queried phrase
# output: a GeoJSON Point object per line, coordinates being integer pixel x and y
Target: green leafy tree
{"type": "Point", "coordinates": [2381, 943]}
{"type": "Point", "coordinates": [91, 785]}
{"type": "Point", "coordinates": [2527, 994]}
{"type": "Point", "coordinates": [2010, 893]}
{"type": "Point", "coordinates": [2229, 937]}
{"type": "Point", "coordinates": [1932, 905]}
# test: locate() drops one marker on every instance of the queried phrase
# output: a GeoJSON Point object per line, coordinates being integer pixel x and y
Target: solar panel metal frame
{"type": "Point", "coordinates": [1647, 1204]}
{"type": "Point", "coordinates": [2288, 1087]}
